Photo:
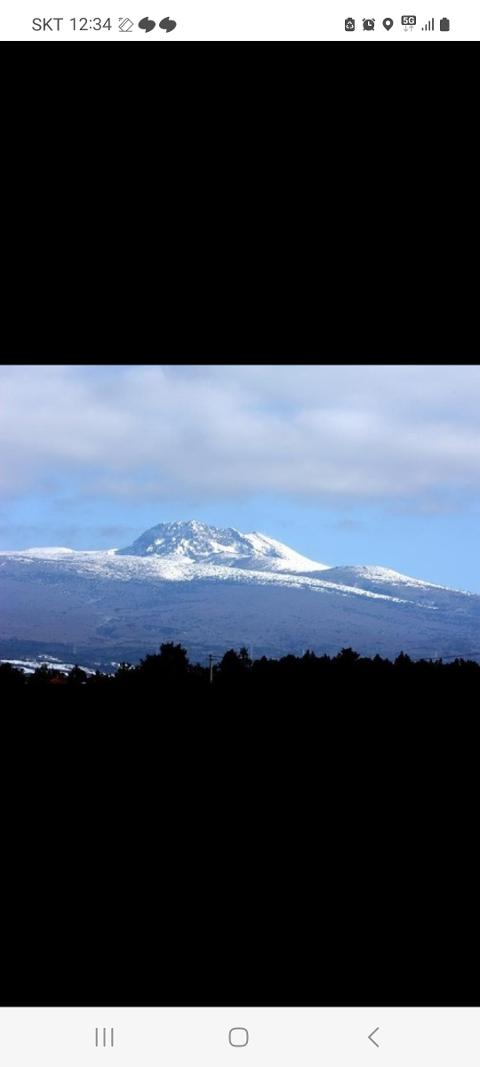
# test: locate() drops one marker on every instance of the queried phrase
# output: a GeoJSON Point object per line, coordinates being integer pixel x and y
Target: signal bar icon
{"type": "Point", "coordinates": [430, 25]}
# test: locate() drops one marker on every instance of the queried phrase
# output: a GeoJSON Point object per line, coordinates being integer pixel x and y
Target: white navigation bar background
{"type": "Point", "coordinates": [276, 1037]}
{"type": "Point", "coordinates": [241, 20]}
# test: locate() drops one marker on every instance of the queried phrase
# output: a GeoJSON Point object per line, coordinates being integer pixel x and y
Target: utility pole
{"type": "Point", "coordinates": [210, 667]}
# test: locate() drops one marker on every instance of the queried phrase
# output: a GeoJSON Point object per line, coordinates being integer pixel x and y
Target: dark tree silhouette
{"type": "Point", "coordinates": [310, 684]}
{"type": "Point", "coordinates": [12, 679]}
{"type": "Point", "coordinates": [347, 657]}
{"type": "Point", "coordinates": [76, 676]}
{"type": "Point", "coordinates": [234, 664]}
{"type": "Point", "coordinates": [170, 664]}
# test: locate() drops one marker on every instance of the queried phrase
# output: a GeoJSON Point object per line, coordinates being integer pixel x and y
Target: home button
{"type": "Point", "coordinates": [238, 1036]}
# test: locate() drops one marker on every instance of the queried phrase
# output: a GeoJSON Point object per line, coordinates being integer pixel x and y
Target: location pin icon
{"type": "Point", "coordinates": [388, 23]}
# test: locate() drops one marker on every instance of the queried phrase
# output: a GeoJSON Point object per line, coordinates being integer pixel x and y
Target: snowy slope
{"type": "Point", "coordinates": [384, 580]}
{"type": "Point", "coordinates": [29, 666]}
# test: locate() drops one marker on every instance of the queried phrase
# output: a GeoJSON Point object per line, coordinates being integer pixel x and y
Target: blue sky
{"type": "Point", "coordinates": [346, 464]}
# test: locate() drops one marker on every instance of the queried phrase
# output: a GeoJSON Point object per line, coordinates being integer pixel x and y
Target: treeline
{"type": "Point", "coordinates": [169, 672]}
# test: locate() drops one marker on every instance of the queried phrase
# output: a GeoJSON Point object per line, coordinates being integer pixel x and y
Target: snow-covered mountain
{"type": "Point", "coordinates": [195, 542]}
{"type": "Point", "coordinates": [215, 588]}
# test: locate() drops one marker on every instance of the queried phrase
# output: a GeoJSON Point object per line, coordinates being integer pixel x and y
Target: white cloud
{"type": "Point", "coordinates": [358, 432]}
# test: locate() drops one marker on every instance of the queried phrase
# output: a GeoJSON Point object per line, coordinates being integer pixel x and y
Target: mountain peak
{"type": "Point", "coordinates": [197, 542]}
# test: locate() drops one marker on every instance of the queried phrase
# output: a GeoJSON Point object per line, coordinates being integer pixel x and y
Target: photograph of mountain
{"type": "Point", "coordinates": [360, 484]}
